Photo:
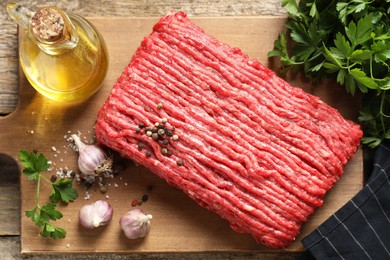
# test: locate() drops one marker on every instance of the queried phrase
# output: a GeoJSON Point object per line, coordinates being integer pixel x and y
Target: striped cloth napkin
{"type": "Point", "coordinates": [361, 228]}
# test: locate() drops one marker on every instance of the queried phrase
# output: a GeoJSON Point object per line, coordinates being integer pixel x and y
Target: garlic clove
{"type": "Point", "coordinates": [99, 213]}
{"type": "Point", "coordinates": [135, 224]}
{"type": "Point", "coordinates": [92, 159]}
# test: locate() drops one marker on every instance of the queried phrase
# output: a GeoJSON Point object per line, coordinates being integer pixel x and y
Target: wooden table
{"type": "Point", "coordinates": [9, 173]}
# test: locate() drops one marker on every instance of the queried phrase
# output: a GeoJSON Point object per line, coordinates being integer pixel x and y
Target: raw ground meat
{"type": "Point", "coordinates": [232, 135]}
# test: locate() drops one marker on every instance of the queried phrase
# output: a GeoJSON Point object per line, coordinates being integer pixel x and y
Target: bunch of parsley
{"type": "Point", "coordinates": [349, 40]}
{"type": "Point", "coordinates": [61, 191]}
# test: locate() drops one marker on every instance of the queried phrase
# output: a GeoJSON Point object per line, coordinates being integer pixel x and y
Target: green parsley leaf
{"type": "Point", "coordinates": [361, 32]}
{"type": "Point", "coordinates": [291, 6]}
{"type": "Point", "coordinates": [53, 232]}
{"type": "Point", "coordinates": [35, 217]}
{"type": "Point", "coordinates": [49, 212]}
{"type": "Point", "coordinates": [343, 47]}
{"type": "Point", "coordinates": [371, 141]}
{"type": "Point", "coordinates": [361, 77]}
{"type": "Point", "coordinates": [361, 55]}
{"type": "Point", "coordinates": [33, 164]}
{"type": "Point", "coordinates": [63, 190]}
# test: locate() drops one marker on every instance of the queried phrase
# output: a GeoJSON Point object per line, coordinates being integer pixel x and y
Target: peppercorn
{"type": "Point", "coordinates": [169, 133]}
{"type": "Point", "coordinates": [164, 150]}
{"type": "Point", "coordinates": [141, 146]}
{"type": "Point", "coordinates": [179, 163]}
{"type": "Point", "coordinates": [145, 198]}
{"type": "Point", "coordinates": [159, 105]}
{"type": "Point", "coordinates": [169, 153]}
{"type": "Point", "coordinates": [149, 133]}
{"type": "Point", "coordinates": [141, 125]}
{"type": "Point", "coordinates": [165, 142]}
{"type": "Point", "coordinates": [164, 120]}
{"type": "Point", "coordinates": [53, 178]}
{"type": "Point", "coordinates": [175, 137]}
{"type": "Point", "coordinates": [155, 136]}
{"type": "Point", "coordinates": [154, 130]}
{"type": "Point", "coordinates": [161, 132]}
{"type": "Point", "coordinates": [148, 153]}
{"type": "Point", "coordinates": [137, 130]}
{"type": "Point", "coordinates": [134, 202]}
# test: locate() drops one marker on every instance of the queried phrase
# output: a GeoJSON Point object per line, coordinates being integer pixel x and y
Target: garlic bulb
{"type": "Point", "coordinates": [135, 223]}
{"type": "Point", "coordinates": [92, 159]}
{"type": "Point", "coordinates": [96, 214]}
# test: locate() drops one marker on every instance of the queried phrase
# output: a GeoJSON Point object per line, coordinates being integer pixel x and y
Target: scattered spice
{"type": "Point", "coordinates": [148, 153]}
{"type": "Point", "coordinates": [134, 203]}
{"type": "Point", "coordinates": [141, 125]}
{"type": "Point", "coordinates": [175, 137]}
{"type": "Point", "coordinates": [159, 105]}
{"type": "Point", "coordinates": [53, 178]}
{"type": "Point", "coordinates": [137, 130]}
{"type": "Point", "coordinates": [155, 136]}
{"type": "Point", "coordinates": [141, 146]}
{"type": "Point", "coordinates": [160, 132]}
{"type": "Point", "coordinates": [179, 163]}
{"type": "Point", "coordinates": [138, 202]}
{"type": "Point", "coordinates": [145, 198]}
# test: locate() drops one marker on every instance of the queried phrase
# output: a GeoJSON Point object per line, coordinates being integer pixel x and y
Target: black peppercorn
{"type": "Point", "coordinates": [168, 132]}
{"type": "Point", "coordinates": [53, 178]}
{"type": "Point", "coordinates": [145, 198]}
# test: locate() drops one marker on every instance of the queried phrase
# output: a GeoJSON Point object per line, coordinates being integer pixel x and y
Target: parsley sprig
{"type": "Point", "coordinates": [349, 40]}
{"type": "Point", "coordinates": [62, 191]}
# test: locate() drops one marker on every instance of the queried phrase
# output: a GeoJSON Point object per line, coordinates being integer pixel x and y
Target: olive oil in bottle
{"type": "Point", "coordinates": [62, 54]}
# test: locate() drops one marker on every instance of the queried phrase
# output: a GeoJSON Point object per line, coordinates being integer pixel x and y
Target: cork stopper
{"type": "Point", "coordinates": [47, 24]}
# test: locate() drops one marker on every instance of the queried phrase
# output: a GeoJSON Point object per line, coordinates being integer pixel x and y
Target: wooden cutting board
{"type": "Point", "coordinates": [179, 224]}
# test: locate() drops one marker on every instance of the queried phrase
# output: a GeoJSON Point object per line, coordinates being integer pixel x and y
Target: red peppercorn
{"type": "Point", "coordinates": [135, 203]}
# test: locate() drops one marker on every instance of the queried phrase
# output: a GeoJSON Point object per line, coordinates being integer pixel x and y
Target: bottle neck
{"type": "Point", "coordinates": [52, 30]}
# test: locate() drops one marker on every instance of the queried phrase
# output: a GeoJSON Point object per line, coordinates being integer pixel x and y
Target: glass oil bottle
{"type": "Point", "coordinates": [62, 54]}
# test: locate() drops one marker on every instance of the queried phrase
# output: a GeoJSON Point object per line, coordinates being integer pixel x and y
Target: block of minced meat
{"type": "Point", "coordinates": [226, 130]}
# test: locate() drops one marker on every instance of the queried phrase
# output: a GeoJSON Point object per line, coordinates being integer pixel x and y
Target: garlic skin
{"type": "Point", "coordinates": [96, 214]}
{"type": "Point", "coordinates": [135, 223]}
{"type": "Point", "coordinates": [92, 159]}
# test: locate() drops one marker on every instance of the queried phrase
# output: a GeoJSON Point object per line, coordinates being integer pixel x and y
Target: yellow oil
{"type": "Point", "coordinates": [70, 76]}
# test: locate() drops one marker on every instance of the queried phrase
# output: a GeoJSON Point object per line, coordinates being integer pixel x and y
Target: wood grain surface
{"type": "Point", "coordinates": [10, 239]}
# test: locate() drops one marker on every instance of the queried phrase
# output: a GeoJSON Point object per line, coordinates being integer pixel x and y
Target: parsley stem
{"type": "Point", "coordinates": [371, 74]}
{"type": "Point", "coordinates": [38, 190]}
